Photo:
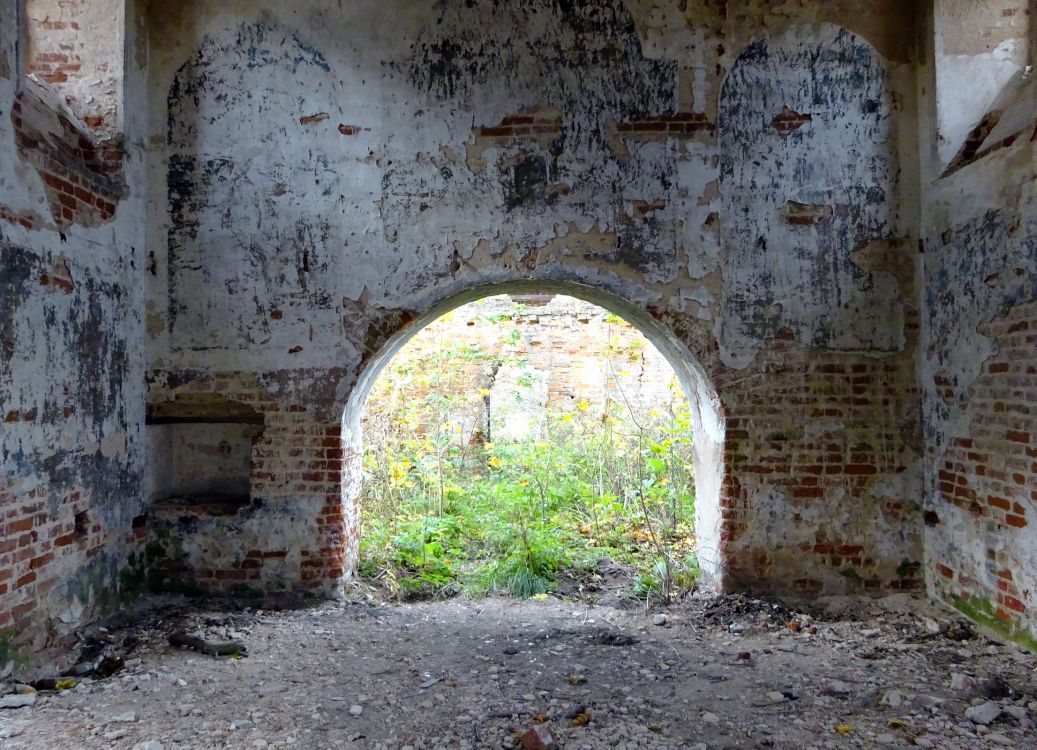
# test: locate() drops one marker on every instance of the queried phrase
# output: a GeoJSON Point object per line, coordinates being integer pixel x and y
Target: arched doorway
{"type": "Point", "coordinates": [706, 417]}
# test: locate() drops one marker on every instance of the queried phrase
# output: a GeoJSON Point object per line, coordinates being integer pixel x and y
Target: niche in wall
{"type": "Point", "coordinates": [201, 453]}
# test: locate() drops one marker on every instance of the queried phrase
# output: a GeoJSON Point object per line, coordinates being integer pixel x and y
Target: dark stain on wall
{"type": "Point", "coordinates": [82, 337]}
{"type": "Point", "coordinates": [271, 224]}
{"type": "Point", "coordinates": [100, 353]}
{"type": "Point", "coordinates": [589, 46]}
{"type": "Point", "coordinates": [975, 272]}
{"type": "Point", "coordinates": [525, 182]}
{"type": "Point", "coordinates": [239, 245]}
{"type": "Point", "coordinates": [16, 271]}
{"type": "Point", "coordinates": [583, 58]}
{"type": "Point", "coordinates": [981, 268]}
{"type": "Point", "coordinates": [789, 231]}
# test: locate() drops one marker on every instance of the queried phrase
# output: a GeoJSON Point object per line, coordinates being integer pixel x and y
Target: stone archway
{"type": "Point", "coordinates": [707, 414]}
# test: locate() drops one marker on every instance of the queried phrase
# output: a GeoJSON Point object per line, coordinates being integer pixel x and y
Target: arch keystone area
{"type": "Point", "coordinates": [707, 413]}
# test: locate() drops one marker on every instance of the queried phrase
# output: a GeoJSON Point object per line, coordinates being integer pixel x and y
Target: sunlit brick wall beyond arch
{"type": "Point", "coordinates": [539, 353]}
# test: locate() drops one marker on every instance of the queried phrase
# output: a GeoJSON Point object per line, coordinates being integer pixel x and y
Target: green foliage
{"type": "Point", "coordinates": [9, 653]}
{"type": "Point", "coordinates": [446, 510]}
{"type": "Point", "coordinates": [652, 582]}
{"type": "Point", "coordinates": [983, 611]}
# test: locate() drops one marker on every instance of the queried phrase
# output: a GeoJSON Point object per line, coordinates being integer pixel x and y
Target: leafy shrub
{"type": "Point", "coordinates": [444, 508]}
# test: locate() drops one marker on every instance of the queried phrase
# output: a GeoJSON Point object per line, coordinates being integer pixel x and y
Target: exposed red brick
{"type": "Point", "coordinates": [788, 120]}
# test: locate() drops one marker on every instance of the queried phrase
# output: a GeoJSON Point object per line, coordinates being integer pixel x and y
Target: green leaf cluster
{"type": "Point", "coordinates": [446, 510]}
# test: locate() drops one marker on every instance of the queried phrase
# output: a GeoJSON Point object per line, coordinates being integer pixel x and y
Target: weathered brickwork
{"type": "Point", "coordinates": [979, 369]}
{"type": "Point", "coordinates": [583, 158]}
{"type": "Point", "coordinates": [47, 538]}
{"type": "Point", "coordinates": [990, 472]}
{"type": "Point", "coordinates": [26, 219]}
{"type": "Point", "coordinates": [759, 187]}
{"type": "Point", "coordinates": [82, 175]}
{"type": "Point", "coordinates": [678, 125]}
{"type": "Point", "coordinates": [294, 535]}
{"type": "Point", "coordinates": [805, 433]}
{"type": "Point", "coordinates": [71, 376]}
{"type": "Point", "coordinates": [568, 350]}
{"type": "Point", "coordinates": [69, 493]}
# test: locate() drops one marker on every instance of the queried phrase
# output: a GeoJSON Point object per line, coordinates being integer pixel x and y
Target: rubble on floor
{"type": "Point", "coordinates": [710, 672]}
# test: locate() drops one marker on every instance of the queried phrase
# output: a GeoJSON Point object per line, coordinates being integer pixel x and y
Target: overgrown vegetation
{"type": "Point", "coordinates": [448, 510]}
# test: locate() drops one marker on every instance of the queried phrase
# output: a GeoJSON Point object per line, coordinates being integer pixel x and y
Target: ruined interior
{"type": "Point", "coordinates": [218, 220]}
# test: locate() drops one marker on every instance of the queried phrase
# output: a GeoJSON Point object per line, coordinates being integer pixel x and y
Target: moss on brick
{"type": "Point", "coordinates": [133, 578]}
{"type": "Point", "coordinates": [159, 584]}
{"type": "Point", "coordinates": [10, 653]}
{"type": "Point", "coordinates": [982, 611]}
{"type": "Point", "coordinates": [909, 568]}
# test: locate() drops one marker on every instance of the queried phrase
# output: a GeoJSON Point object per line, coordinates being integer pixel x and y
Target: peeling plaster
{"type": "Point", "coordinates": [844, 163]}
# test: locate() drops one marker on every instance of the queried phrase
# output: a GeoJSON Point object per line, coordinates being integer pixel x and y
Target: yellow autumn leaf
{"type": "Point", "coordinates": [484, 392]}
{"type": "Point", "coordinates": [495, 462]}
{"type": "Point", "coordinates": [843, 729]}
{"type": "Point", "coordinates": [583, 405]}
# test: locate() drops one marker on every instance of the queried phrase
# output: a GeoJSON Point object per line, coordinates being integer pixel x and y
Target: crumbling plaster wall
{"type": "Point", "coordinates": [323, 175]}
{"type": "Point", "coordinates": [978, 368]}
{"type": "Point", "coordinates": [71, 369]}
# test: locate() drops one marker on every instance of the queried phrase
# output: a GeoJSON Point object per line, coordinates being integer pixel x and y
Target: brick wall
{"type": "Point", "coordinates": [46, 538]}
{"type": "Point", "coordinates": [293, 535]}
{"type": "Point", "coordinates": [825, 448]}
{"type": "Point", "coordinates": [81, 172]}
{"type": "Point", "coordinates": [989, 472]}
{"type": "Point", "coordinates": [570, 350]}
{"type": "Point", "coordinates": [297, 534]}
{"type": "Point", "coordinates": [680, 163]}
{"type": "Point", "coordinates": [71, 382]}
{"type": "Point", "coordinates": [69, 494]}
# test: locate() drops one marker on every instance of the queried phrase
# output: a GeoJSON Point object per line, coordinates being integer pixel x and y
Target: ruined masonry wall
{"type": "Point", "coordinates": [979, 48]}
{"type": "Point", "coordinates": [979, 375]}
{"type": "Point", "coordinates": [742, 174]}
{"type": "Point", "coordinates": [748, 175]}
{"type": "Point", "coordinates": [71, 372]}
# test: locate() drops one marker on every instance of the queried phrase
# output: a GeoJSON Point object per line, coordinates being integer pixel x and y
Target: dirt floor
{"type": "Point", "coordinates": [708, 672]}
